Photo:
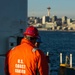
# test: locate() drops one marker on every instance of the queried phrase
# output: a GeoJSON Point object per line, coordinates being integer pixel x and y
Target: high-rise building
{"type": "Point", "coordinates": [69, 21]}
{"type": "Point", "coordinates": [54, 18]}
{"type": "Point", "coordinates": [64, 20]}
{"type": "Point", "coordinates": [45, 19]}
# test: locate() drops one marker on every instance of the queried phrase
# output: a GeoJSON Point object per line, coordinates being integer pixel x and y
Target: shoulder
{"type": "Point", "coordinates": [38, 51]}
{"type": "Point", "coordinates": [34, 49]}
{"type": "Point", "coordinates": [11, 50]}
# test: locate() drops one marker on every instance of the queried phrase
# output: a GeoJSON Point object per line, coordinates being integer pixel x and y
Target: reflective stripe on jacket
{"type": "Point", "coordinates": [23, 60]}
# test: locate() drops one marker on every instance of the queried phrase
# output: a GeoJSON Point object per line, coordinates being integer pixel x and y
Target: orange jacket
{"type": "Point", "coordinates": [24, 59]}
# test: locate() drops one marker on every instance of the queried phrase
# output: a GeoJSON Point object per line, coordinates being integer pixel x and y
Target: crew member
{"type": "Point", "coordinates": [26, 59]}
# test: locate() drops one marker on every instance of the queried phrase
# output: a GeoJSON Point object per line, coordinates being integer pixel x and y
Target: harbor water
{"type": "Point", "coordinates": [57, 42]}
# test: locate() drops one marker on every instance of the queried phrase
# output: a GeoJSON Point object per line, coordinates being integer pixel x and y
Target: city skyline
{"type": "Point", "coordinates": [59, 8]}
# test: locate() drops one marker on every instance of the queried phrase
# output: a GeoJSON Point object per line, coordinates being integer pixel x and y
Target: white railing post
{"type": "Point", "coordinates": [48, 62]}
{"type": "Point", "coordinates": [47, 54]}
{"type": "Point", "coordinates": [60, 58]}
{"type": "Point", "coordinates": [70, 60]}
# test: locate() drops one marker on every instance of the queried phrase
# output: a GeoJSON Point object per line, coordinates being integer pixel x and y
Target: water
{"type": "Point", "coordinates": [57, 42]}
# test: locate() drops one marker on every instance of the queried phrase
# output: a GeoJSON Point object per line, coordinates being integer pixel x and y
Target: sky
{"type": "Point", "coordinates": [59, 8]}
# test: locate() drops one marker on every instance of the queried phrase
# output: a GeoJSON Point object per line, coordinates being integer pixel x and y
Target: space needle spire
{"type": "Point", "coordinates": [49, 11]}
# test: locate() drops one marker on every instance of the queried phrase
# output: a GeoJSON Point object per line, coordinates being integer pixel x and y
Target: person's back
{"type": "Point", "coordinates": [25, 59]}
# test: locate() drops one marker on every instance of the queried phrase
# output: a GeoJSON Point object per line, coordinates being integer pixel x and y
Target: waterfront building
{"type": "Point", "coordinates": [64, 20]}
{"type": "Point", "coordinates": [50, 25]}
{"type": "Point", "coordinates": [37, 20]}
{"type": "Point", "coordinates": [54, 18]}
{"type": "Point", "coordinates": [69, 21]}
{"type": "Point", "coordinates": [71, 25]}
{"type": "Point", "coordinates": [45, 19]}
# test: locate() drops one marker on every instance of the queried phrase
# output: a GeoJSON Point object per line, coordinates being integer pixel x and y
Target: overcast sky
{"type": "Point", "coordinates": [58, 7]}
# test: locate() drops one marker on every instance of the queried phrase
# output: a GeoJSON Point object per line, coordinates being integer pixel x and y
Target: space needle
{"type": "Point", "coordinates": [49, 11]}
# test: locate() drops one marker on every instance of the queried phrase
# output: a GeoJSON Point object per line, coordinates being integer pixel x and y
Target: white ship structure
{"type": "Point", "coordinates": [13, 21]}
